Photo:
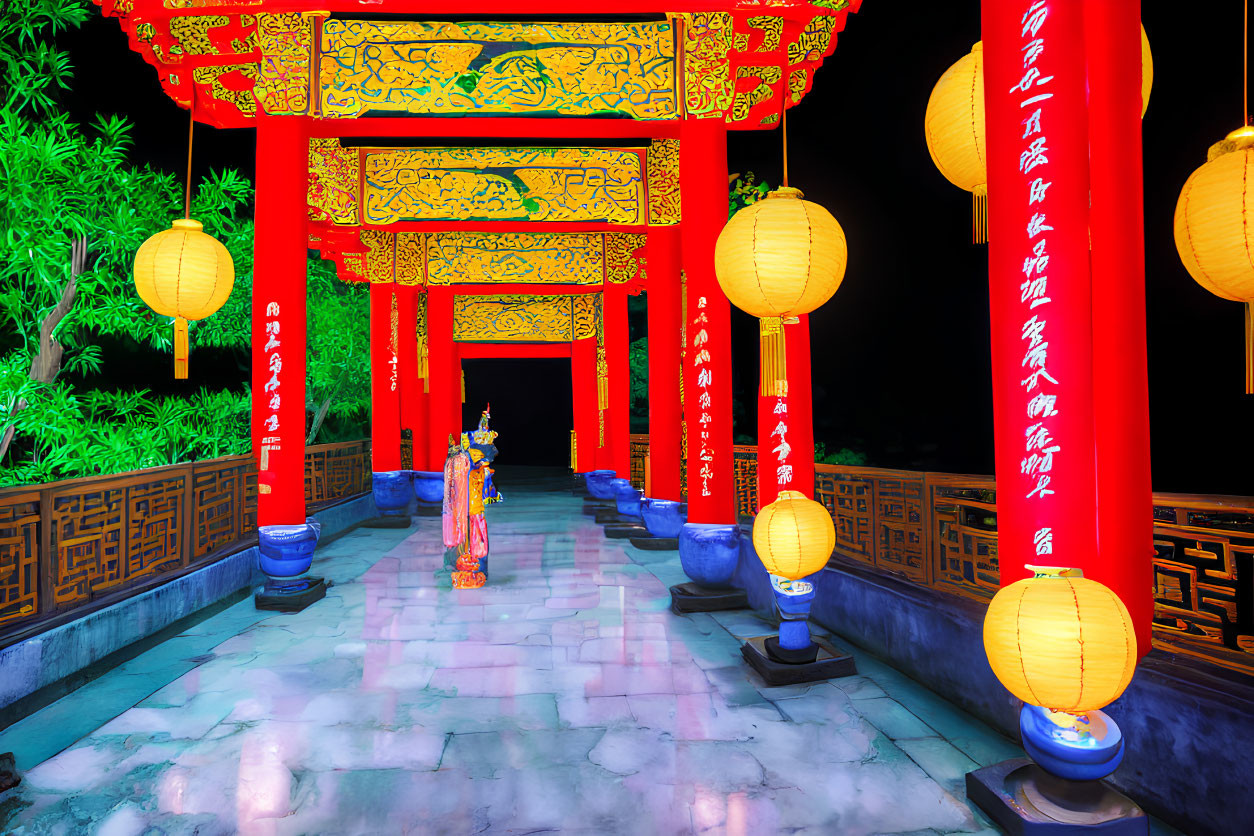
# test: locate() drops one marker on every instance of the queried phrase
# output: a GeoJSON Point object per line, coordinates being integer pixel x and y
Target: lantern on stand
{"type": "Point", "coordinates": [1064, 645]}
{"type": "Point", "coordinates": [184, 273]}
{"type": "Point", "coordinates": [953, 127]}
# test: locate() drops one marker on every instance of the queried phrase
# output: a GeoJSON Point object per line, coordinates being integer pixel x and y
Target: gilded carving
{"type": "Point", "coordinates": [536, 184]}
{"type": "Point", "coordinates": [798, 84]}
{"type": "Point", "coordinates": [663, 168]}
{"type": "Point", "coordinates": [707, 78]}
{"type": "Point", "coordinates": [241, 96]}
{"type": "Point", "coordinates": [533, 258]}
{"type": "Point", "coordinates": [587, 314]}
{"type": "Point", "coordinates": [622, 259]}
{"type": "Point", "coordinates": [334, 173]}
{"type": "Point", "coordinates": [571, 69]}
{"type": "Point", "coordinates": [763, 90]}
{"type": "Point", "coordinates": [191, 34]}
{"type": "Point", "coordinates": [380, 249]}
{"type": "Point", "coordinates": [772, 29]}
{"type": "Point", "coordinates": [496, 319]}
{"type": "Point", "coordinates": [285, 41]}
{"type": "Point", "coordinates": [410, 266]}
{"type": "Point", "coordinates": [814, 41]}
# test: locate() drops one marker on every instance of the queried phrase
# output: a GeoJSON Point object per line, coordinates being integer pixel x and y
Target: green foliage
{"type": "Point", "coordinates": [339, 352]}
{"type": "Point", "coordinates": [843, 456]}
{"type": "Point", "coordinates": [744, 191]}
{"type": "Point", "coordinates": [638, 357]}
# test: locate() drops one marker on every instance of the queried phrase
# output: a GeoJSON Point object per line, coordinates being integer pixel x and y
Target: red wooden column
{"type": "Point", "coordinates": [1040, 291]}
{"type": "Point", "coordinates": [583, 387]}
{"type": "Point", "coordinates": [665, 409]}
{"type": "Point", "coordinates": [617, 358]}
{"type": "Point", "coordinates": [385, 396]}
{"type": "Point", "coordinates": [278, 320]}
{"type": "Point", "coordinates": [707, 376]}
{"type": "Point", "coordinates": [444, 373]}
{"type": "Point", "coordinates": [1125, 537]}
{"type": "Point", "coordinates": [786, 424]}
{"type": "Point", "coordinates": [410, 386]}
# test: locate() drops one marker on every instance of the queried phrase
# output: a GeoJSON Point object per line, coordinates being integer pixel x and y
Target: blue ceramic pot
{"type": "Point", "coordinates": [287, 550]}
{"type": "Point", "coordinates": [598, 483]}
{"type": "Point", "coordinates": [429, 486]}
{"type": "Point", "coordinates": [708, 552]}
{"type": "Point", "coordinates": [627, 498]}
{"type": "Point", "coordinates": [391, 492]}
{"type": "Point", "coordinates": [794, 599]}
{"type": "Point", "coordinates": [1087, 748]}
{"type": "Point", "coordinates": [663, 517]}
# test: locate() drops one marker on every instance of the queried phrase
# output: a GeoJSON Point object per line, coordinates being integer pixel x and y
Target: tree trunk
{"type": "Point", "coordinates": [46, 364]}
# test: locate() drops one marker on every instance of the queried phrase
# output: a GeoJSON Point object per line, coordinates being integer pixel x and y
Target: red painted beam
{"type": "Point", "coordinates": [499, 351]}
{"type": "Point", "coordinates": [513, 127]}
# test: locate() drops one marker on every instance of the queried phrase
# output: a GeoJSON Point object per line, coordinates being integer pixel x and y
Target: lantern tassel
{"type": "Point", "coordinates": [979, 216]}
{"type": "Point", "coordinates": [1249, 348]}
{"type": "Point", "coordinates": [774, 362]}
{"type": "Point", "coordinates": [181, 348]}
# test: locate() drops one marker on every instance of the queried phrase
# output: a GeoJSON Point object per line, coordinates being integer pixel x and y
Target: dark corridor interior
{"type": "Point", "coordinates": [531, 408]}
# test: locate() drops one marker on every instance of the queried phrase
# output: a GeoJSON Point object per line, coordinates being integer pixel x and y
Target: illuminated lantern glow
{"type": "Point", "coordinates": [779, 258]}
{"type": "Point", "coordinates": [183, 273]}
{"type": "Point", "coordinates": [794, 536]}
{"type": "Point", "coordinates": [1212, 228]}
{"type": "Point", "coordinates": [1060, 641]}
{"type": "Point", "coordinates": [953, 126]}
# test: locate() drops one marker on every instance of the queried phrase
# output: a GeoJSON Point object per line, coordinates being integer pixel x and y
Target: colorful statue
{"type": "Point", "coordinates": [467, 489]}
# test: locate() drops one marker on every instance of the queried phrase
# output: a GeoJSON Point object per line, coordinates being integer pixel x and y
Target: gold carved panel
{"type": "Point", "coordinates": [495, 319]}
{"type": "Point", "coordinates": [707, 77]}
{"type": "Point", "coordinates": [410, 260]}
{"type": "Point", "coordinates": [334, 173]}
{"type": "Point", "coordinates": [663, 166]}
{"type": "Point", "coordinates": [380, 252]}
{"type": "Point", "coordinates": [623, 259]}
{"type": "Point", "coordinates": [285, 41]}
{"type": "Point", "coordinates": [587, 315]}
{"type": "Point", "coordinates": [496, 258]}
{"type": "Point", "coordinates": [481, 184]}
{"type": "Point", "coordinates": [568, 69]}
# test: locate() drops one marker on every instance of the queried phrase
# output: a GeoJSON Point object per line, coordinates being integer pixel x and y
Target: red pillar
{"type": "Point", "coordinates": [786, 424]}
{"type": "Point", "coordinates": [278, 320]}
{"type": "Point", "coordinates": [407, 368]}
{"type": "Point", "coordinates": [707, 377]}
{"type": "Point", "coordinates": [1125, 537]}
{"type": "Point", "coordinates": [385, 396]}
{"type": "Point", "coordinates": [444, 371]}
{"type": "Point", "coordinates": [583, 386]}
{"type": "Point", "coordinates": [617, 358]}
{"type": "Point", "coordinates": [1039, 284]}
{"type": "Point", "coordinates": [665, 409]}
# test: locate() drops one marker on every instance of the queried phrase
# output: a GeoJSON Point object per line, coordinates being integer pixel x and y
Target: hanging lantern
{"type": "Point", "coordinates": [1212, 228]}
{"type": "Point", "coordinates": [1060, 641]}
{"type": "Point", "coordinates": [183, 273]}
{"type": "Point", "coordinates": [794, 536]}
{"type": "Point", "coordinates": [777, 259]}
{"type": "Point", "coordinates": [953, 127]}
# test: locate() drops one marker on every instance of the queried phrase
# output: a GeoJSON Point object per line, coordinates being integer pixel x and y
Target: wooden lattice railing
{"type": "Point", "coordinates": [68, 544]}
{"type": "Point", "coordinates": [939, 530]}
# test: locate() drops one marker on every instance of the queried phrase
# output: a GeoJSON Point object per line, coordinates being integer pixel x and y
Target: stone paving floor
{"type": "Point", "coordinates": [563, 697]}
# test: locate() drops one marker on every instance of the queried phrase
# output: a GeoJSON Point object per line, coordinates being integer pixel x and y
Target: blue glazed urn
{"type": "Point", "coordinates": [708, 552]}
{"type": "Point", "coordinates": [287, 550]}
{"type": "Point", "coordinates": [598, 483]}
{"type": "Point", "coordinates": [663, 517]}
{"type": "Point", "coordinates": [391, 492]}
{"type": "Point", "coordinates": [794, 599]}
{"type": "Point", "coordinates": [429, 486]}
{"type": "Point", "coordinates": [1078, 747]}
{"type": "Point", "coordinates": [627, 498]}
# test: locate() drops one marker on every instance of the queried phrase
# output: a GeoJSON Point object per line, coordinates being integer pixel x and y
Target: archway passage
{"type": "Point", "coordinates": [531, 407]}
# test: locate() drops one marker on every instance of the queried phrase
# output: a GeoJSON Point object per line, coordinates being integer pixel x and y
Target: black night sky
{"type": "Point", "coordinates": [901, 364]}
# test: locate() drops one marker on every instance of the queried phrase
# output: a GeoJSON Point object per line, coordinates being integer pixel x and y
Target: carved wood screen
{"type": "Point", "coordinates": [66, 544]}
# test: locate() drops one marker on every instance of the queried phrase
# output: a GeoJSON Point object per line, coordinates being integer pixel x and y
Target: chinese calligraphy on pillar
{"type": "Point", "coordinates": [274, 363]}
{"type": "Point", "coordinates": [700, 364]}
{"type": "Point", "coordinates": [782, 449]}
{"type": "Point", "coordinates": [393, 343]}
{"type": "Point", "coordinates": [1040, 387]}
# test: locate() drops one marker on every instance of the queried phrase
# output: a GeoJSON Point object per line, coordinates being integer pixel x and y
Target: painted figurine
{"type": "Point", "coordinates": [467, 489]}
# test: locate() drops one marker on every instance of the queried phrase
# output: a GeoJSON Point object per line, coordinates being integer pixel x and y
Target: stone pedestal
{"type": "Point", "coordinates": [775, 668]}
{"type": "Point", "coordinates": [1025, 800]}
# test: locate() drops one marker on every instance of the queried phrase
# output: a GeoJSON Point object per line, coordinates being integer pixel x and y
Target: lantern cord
{"type": "Point", "coordinates": [187, 198]}
{"type": "Point", "coordinates": [783, 119]}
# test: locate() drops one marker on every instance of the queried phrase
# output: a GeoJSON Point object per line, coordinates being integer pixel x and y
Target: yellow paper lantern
{"type": "Point", "coordinates": [794, 536]}
{"type": "Point", "coordinates": [183, 273]}
{"type": "Point", "coordinates": [953, 127]}
{"type": "Point", "coordinates": [779, 258]}
{"type": "Point", "coordinates": [1060, 641]}
{"type": "Point", "coordinates": [1213, 228]}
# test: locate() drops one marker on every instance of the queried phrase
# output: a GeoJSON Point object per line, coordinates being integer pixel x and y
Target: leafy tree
{"type": "Point", "coordinates": [843, 456]}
